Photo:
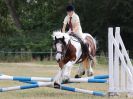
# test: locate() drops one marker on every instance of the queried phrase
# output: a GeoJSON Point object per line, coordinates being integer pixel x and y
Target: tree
{"type": "Point", "coordinates": [13, 12]}
{"type": "Point", "coordinates": [39, 18]}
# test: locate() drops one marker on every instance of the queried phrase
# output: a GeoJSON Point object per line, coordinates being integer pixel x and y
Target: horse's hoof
{"type": "Point", "coordinates": [65, 81]}
{"type": "Point", "coordinates": [56, 85]}
{"type": "Point", "coordinates": [90, 74]}
{"type": "Point", "coordinates": [83, 73]}
{"type": "Point", "coordinates": [77, 76]}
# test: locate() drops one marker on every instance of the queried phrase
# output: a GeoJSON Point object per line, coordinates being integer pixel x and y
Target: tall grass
{"type": "Point", "coordinates": [102, 59]}
{"type": "Point", "coordinates": [15, 57]}
{"type": "Point", "coordinates": [28, 57]}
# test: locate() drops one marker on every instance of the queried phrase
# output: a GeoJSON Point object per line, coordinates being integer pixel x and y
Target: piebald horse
{"type": "Point", "coordinates": [68, 52]}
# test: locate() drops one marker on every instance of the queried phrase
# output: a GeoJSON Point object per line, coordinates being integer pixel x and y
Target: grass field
{"type": "Point", "coordinates": [48, 69]}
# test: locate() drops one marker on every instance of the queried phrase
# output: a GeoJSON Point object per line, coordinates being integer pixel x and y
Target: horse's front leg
{"type": "Point", "coordinates": [67, 70]}
{"type": "Point", "coordinates": [64, 73]}
{"type": "Point", "coordinates": [57, 79]}
{"type": "Point", "coordinates": [81, 71]}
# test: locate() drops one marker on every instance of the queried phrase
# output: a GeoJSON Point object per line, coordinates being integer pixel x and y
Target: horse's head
{"type": "Point", "coordinates": [60, 43]}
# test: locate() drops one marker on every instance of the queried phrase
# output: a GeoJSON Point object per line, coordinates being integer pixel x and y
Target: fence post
{"type": "Point", "coordinates": [51, 54]}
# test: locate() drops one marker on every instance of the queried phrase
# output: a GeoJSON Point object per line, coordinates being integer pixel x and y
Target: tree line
{"type": "Point", "coordinates": [28, 24]}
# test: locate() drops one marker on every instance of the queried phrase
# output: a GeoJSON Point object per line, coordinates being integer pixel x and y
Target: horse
{"type": "Point", "coordinates": [69, 52]}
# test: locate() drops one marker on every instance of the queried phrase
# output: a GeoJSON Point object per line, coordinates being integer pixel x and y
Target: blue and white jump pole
{"type": "Point", "coordinates": [50, 84]}
{"type": "Point", "coordinates": [23, 78]}
{"type": "Point", "coordinates": [39, 84]}
{"type": "Point", "coordinates": [35, 82]}
{"type": "Point", "coordinates": [93, 79]}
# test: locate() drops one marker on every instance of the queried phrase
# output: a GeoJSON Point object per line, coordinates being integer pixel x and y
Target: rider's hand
{"type": "Point", "coordinates": [72, 32]}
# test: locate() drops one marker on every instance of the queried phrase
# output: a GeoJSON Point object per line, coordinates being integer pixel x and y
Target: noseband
{"type": "Point", "coordinates": [60, 52]}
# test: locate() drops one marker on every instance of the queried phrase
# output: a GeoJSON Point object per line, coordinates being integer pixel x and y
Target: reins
{"type": "Point", "coordinates": [66, 49]}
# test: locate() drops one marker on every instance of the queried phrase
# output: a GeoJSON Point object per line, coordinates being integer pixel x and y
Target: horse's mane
{"type": "Point", "coordinates": [59, 34]}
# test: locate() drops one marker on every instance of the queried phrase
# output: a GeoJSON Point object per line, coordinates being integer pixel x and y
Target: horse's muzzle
{"type": "Point", "coordinates": [58, 60]}
{"type": "Point", "coordinates": [58, 57]}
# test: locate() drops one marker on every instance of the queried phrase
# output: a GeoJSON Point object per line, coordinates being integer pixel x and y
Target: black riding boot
{"type": "Point", "coordinates": [86, 50]}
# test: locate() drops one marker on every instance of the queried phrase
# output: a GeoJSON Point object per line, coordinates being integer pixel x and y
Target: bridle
{"type": "Point", "coordinates": [64, 51]}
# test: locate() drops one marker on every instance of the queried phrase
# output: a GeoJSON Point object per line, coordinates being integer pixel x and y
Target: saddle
{"type": "Point", "coordinates": [84, 47]}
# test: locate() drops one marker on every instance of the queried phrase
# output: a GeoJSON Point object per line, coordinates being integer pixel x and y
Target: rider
{"type": "Point", "coordinates": [72, 19]}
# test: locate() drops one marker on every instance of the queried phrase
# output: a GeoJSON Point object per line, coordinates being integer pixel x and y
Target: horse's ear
{"type": "Point", "coordinates": [55, 38]}
{"type": "Point", "coordinates": [63, 38]}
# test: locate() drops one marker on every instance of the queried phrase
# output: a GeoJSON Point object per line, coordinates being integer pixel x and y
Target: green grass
{"type": "Point", "coordinates": [46, 62]}
{"type": "Point", "coordinates": [48, 69]}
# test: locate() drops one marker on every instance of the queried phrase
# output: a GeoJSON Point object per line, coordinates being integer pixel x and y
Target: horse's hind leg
{"type": "Point", "coordinates": [90, 71]}
{"type": "Point", "coordinates": [82, 68]}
